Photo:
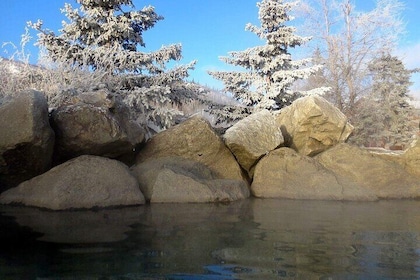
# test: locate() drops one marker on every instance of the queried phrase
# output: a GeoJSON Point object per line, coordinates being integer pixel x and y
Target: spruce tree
{"type": "Point", "coordinates": [266, 82]}
{"type": "Point", "coordinates": [106, 37]}
{"type": "Point", "coordinates": [348, 39]}
{"type": "Point", "coordinates": [385, 116]}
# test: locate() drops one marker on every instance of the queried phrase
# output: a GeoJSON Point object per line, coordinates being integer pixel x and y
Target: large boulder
{"type": "Point", "coordinates": [386, 178]}
{"type": "Point", "coordinates": [83, 182]}
{"type": "Point", "coordinates": [179, 180]}
{"type": "Point", "coordinates": [408, 159]}
{"type": "Point", "coordinates": [253, 137]}
{"type": "Point", "coordinates": [26, 138]}
{"type": "Point", "coordinates": [284, 173]}
{"type": "Point", "coordinates": [194, 139]}
{"type": "Point", "coordinates": [412, 158]}
{"type": "Point", "coordinates": [312, 125]}
{"type": "Point", "coordinates": [94, 123]}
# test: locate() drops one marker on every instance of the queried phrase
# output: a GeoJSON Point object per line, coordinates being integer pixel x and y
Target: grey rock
{"type": "Point", "coordinates": [26, 138]}
{"type": "Point", "coordinates": [92, 124]}
{"type": "Point", "coordinates": [83, 182]}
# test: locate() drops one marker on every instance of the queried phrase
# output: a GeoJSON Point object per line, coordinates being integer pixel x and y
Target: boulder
{"type": "Point", "coordinates": [253, 137]}
{"type": "Point", "coordinates": [180, 180]}
{"type": "Point", "coordinates": [411, 158]}
{"type": "Point", "coordinates": [386, 178]}
{"type": "Point", "coordinates": [408, 159]}
{"type": "Point", "coordinates": [194, 139]}
{"type": "Point", "coordinates": [83, 182]}
{"type": "Point", "coordinates": [26, 138]}
{"type": "Point", "coordinates": [284, 173]}
{"type": "Point", "coordinates": [92, 124]}
{"type": "Point", "coordinates": [312, 125]}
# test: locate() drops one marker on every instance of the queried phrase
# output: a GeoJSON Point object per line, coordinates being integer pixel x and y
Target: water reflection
{"type": "Point", "coordinates": [306, 239]}
{"type": "Point", "coordinates": [251, 239]}
{"type": "Point", "coordinates": [77, 226]}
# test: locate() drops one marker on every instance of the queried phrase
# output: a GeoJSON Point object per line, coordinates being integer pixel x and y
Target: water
{"type": "Point", "coordinates": [251, 239]}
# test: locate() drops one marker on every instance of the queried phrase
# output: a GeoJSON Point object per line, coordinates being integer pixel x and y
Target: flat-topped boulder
{"type": "Point", "coordinates": [26, 138]}
{"type": "Point", "coordinates": [408, 159]}
{"type": "Point", "coordinates": [412, 158]}
{"type": "Point", "coordinates": [253, 137]}
{"type": "Point", "coordinates": [284, 173]}
{"type": "Point", "coordinates": [386, 178]}
{"type": "Point", "coordinates": [83, 182]}
{"type": "Point", "coordinates": [311, 125]}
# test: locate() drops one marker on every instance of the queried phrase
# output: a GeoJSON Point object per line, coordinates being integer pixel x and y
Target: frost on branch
{"type": "Point", "coordinates": [269, 71]}
{"type": "Point", "coordinates": [101, 36]}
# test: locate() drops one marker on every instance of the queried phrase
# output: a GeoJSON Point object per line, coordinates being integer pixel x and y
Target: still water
{"type": "Point", "coordinates": [250, 239]}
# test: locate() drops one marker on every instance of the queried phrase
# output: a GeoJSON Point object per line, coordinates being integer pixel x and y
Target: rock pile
{"type": "Point", "coordinates": [296, 153]}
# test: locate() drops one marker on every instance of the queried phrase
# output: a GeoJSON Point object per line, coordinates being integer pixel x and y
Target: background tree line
{"type": "Point", "coordinates": [368, 82]}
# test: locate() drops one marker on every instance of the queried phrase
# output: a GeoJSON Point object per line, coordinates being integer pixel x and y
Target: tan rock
{"type": "Point", "coordinates": [83, 182]}
{"type": "Point", "coordinates": [284, 173]}
{"type": "Point", "coordinates": [253, 137]}
{"type": "Point", "coordinates": [180, 180]}
{"type": "Point", "coordinates": [408, 159]}
{"type": "Point", "coordinates": [386, 178]}
{"type": "Point", "coordinates": [196, 140]}
{"type": "Point", "coordinates": [178, 188]}
{"type": "Point", "coordinates": [412, 158]}
{"type": "Point", "coordinates": [312, 125]}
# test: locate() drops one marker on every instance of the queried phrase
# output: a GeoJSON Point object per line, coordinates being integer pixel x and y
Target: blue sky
{"type": "Point", "coordinates": [206, 29]}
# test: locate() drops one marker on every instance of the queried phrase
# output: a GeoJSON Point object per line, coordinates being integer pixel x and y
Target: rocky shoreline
{"type": "Point", "coordinates": [88, 154]}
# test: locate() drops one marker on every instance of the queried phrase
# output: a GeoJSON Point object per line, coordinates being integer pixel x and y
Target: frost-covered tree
{"type": "Point", "coordinates": [347, 39]}
{"type": "Point", "coordinates": [105, 36]}
{"type": "Point", "coordinates": [270, 71]}
{"type": "Point", "coordinates": [385, 114]}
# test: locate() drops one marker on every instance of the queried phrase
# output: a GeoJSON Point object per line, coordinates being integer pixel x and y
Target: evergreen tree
{"type": "Point", "coordinates": [102, 36]}
{"type": "Point", "coordinates": [270, 70]}
{"type": "Point", "coordinates": [385, 116]}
